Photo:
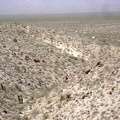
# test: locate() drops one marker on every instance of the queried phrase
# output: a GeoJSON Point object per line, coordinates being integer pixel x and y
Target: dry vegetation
{"type": "Point", "coordinates": [58, 70]}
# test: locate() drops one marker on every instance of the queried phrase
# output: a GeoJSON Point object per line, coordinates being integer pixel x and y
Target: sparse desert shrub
{"type": "Point", "coordinates": [32, 97]}
{"type": "Point", "coordinates": [2, 100]}
{"type": "Point", "coordinates": [68, 96]}
{"type": "Point", "coordinates": [45, 116]}
{"type": "Point", "coordinates": [74, 58]}
{"type": "Point", "coordinates": [49, 89]}
{"type": "Point", "coordinates": [27, 58]}
{"type": "Point", "coordinates": [3, 87]}
{"type": "Point", "coordinates": [18, 87]}
{"type": "Point", "coordinates": [23, 69]}
{"type": "Point", "coordinates": [25, 117]}
{"type": "Point", "coordinates": [19, 63]}
{"type": "Point", "coordinates": [49, 102]}
{"type": "Point", "coordinates": [104, 40]}
{"type": "Point", "coordinates": [50, 107]}
{"type": "Point", "coordinates": [62, 97]}
{"type": "Point", "coordinates": [65, 97]}
{"type": "Point", "coordinates": [17, 68]}
{"type": "Point", "coordinates": [35, 112]}
{"type": "Point", "coordinates": [20, 99]}
{"type": "Point", "coordinates": [20, 107]}
{"type": "Point", "coordinates": [15, 40]}
{"type": "Point", "coordinates": [83, 60]}
{"type": "Point", "coordinates": [59, 106]}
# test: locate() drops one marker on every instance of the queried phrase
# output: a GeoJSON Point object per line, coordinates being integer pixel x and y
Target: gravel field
{"type": "Point", "coordinates": [60, 70]}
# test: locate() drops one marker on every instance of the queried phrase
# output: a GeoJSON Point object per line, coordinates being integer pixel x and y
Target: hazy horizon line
{"type": "Point", "coordinates": [102, 12]}
{"type": "Point", "coordinates": [57, 16]}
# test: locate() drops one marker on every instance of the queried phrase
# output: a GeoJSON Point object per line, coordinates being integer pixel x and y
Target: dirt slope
{"type": "Point", "coordinates": [60, 70]}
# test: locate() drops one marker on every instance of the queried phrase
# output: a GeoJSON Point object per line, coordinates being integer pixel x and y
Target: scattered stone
{"type": "Point", "coordinates": [99, 64]}
{"type": "Point", "coordinates": [36, 60]}
{"type": "Point", "coordinates": [5, 111]}
{"type": "Point", "coordinates": [87, 71]}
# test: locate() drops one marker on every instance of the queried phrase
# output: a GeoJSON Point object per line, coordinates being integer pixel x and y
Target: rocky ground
{"type": "Point", "coordinates": [58, 70]}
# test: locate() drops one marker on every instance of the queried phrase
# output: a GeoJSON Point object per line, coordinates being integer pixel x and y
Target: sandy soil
{"type": "Point", "coordinates": [58, 70]}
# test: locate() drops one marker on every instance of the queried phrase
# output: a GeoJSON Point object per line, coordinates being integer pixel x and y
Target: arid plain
{"type": "Point", "coordinates": [60, 70]}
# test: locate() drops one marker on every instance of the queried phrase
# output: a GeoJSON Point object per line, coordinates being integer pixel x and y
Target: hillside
{"type": "Point", "coordinates": [60, 70]}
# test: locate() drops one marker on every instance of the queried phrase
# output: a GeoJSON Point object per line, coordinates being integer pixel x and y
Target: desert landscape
{"type": "Point", "coordinates": [60, 69]}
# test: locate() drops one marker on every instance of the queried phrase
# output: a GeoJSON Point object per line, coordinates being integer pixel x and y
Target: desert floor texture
{"type": "Point", "coordinates": [60, 70]}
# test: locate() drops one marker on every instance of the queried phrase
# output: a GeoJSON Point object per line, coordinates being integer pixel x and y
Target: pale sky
{"type": "Point", "coordinates": [57, 6]}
